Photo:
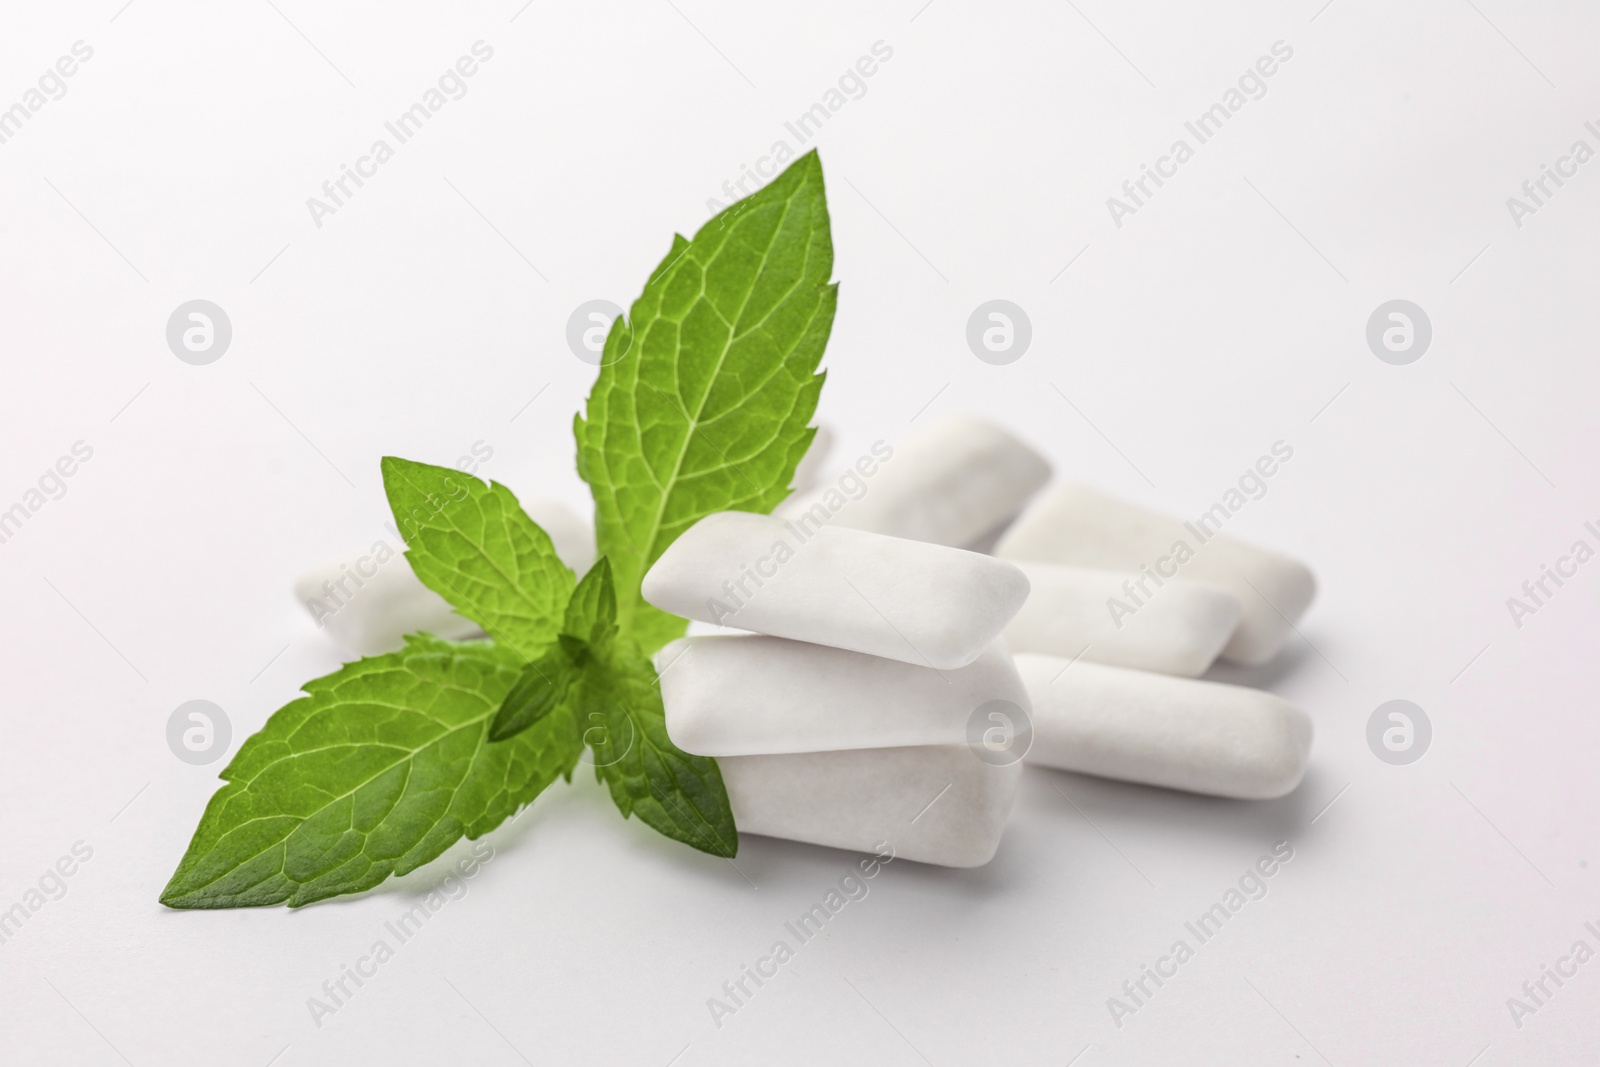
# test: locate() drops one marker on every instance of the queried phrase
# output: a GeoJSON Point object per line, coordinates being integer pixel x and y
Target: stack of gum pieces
{"type": "Point", "coordinates": [842, 718]}
{"type": "Point", "coordinates": [889, 679]}
{"type": "Point", "coordinates": [877, 662]}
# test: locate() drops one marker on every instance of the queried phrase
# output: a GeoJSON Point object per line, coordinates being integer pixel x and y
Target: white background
{"type": "Point", "coordinates": [1227, 314]}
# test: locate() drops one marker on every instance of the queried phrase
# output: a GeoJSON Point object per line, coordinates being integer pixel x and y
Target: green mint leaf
{"type": "Point", "coordinates": [707, 388]}
{"type": "Point", "coordinates": [592, 612]}
{"type": "Point", "coordinates": [679, 795]}
{"type": "Point", "coordinates": [378, 769]}
{"type": "Point", "coordinates": [679, 243]}
{"type": "Point", "coordinates": [539, 690]}
{"type": "Point", "coordinates": [471, 542]}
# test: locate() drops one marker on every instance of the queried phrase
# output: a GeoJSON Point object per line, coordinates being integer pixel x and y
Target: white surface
{"type": "Point", "coordinates": [1179, 733]}
{"type": "Point", "coordinates": [752, 695]}
{"type": "Point", "coordinates": [806, 580]}
{"type": "Point", "coordinates": [1188, 340]}
{"type": "Point", "coordinates": [1179, 631]}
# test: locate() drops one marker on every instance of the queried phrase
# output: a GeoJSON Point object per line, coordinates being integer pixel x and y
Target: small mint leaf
{"type": "Point", "coordinates": [592, 612]}
{"type": "Point", "coordinates": [707, 387]}
{"type": "Point", "coordinates": [539, 690]}
{"type": "Point", "coordinates": [471, 542]}
{"type": "Point", "coordinates": [378, 769]}
{"type": "Point", "coordinates": [675, 793]}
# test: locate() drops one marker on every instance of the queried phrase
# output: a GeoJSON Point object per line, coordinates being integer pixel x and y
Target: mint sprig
{"type": "Point", "coordinates": [703, 404]}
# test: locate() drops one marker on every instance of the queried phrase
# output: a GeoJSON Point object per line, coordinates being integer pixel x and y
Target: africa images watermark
{"type": "Point", "coordinates": [1210, 522]}
{"type": "Point", "coordinates": [1537, 592]}
{"type": "Point", "coordinates": [52, 485]}
{"type": "Point", "coordinates": [737, 992]}
{"type": "Point", "coordinates": [338, 991]}
{"type": "Point", "coordinates": [1252, 885]}
{"type": "Point", "coordinates": [852, 485]}
{"type": "Point", "coordinates": [1537, 192]}
{"type": "Point", "coordinates": [851, 85]}
{"type": "Point", "coordinates": [339, 593]}
{"type": "Point", "coordinates": [1252, 85]}
{"type": "Point", "coordinates": [451, 85]}
{"type": "Point", "coordinates": [1536, 992]}
{"type": "Point", "coordinates": [52, 85]}
{"type": "Point", "coordinates": [51, 885]}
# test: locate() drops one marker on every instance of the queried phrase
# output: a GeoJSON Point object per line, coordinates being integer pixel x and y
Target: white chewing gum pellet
{"type": "Point", "coordinates": [1080, 527]}
{"type": "Point", "coordinates": [368, 601]}
{"type": "Point", "coordinates": [906, 600]}
{"type": "Point", "coordinates": [935, 804]}
{"type": "Point", "coordinates": [1071, 612]}
{"type": "Point", "coordinates": [744, 695]}
{"type": "Point", "coordinates": [1202, 737]}
{"type": "Point", "coordinates": [950, 484]}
